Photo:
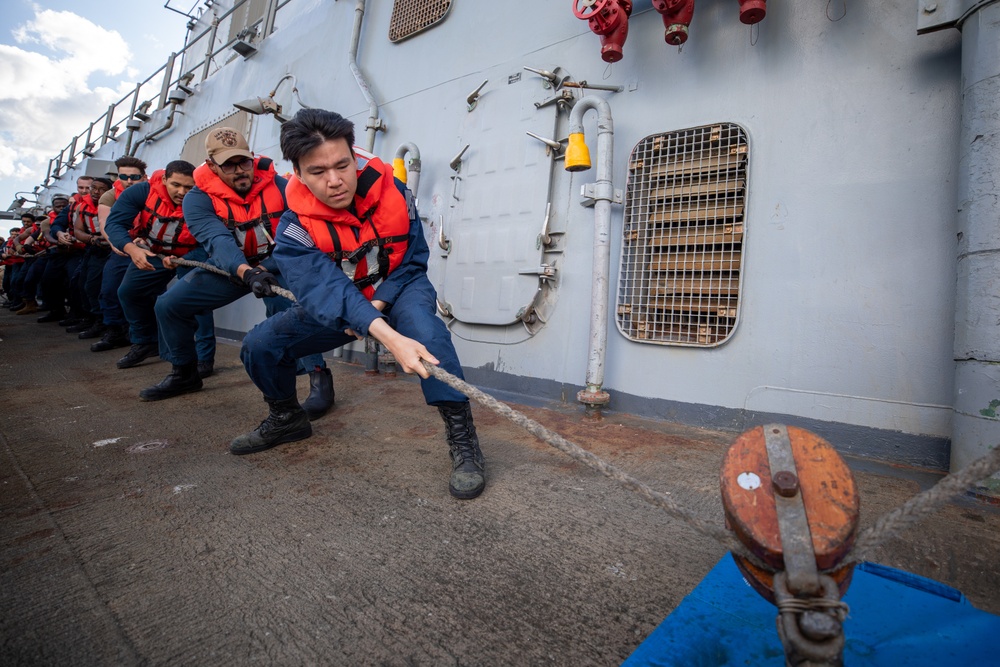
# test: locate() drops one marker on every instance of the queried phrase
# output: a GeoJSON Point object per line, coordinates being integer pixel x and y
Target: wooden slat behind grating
{"type": "Point", "coordinates": [700, 212]}
{"type": "Point", "coordinates": [698, 261]}
{"type": "Point", "coordinates": [716, 188]}
{"type": "Point", "coordinates": [683, 236]}
{"type": "Point", "coordinates": [692, 235]}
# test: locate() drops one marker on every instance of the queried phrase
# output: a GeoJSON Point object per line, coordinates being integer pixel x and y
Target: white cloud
{"type": "Point", "coordinates": [45, 94]}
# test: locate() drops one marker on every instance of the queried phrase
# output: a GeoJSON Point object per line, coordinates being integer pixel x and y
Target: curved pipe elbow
{"type": "Point", "coordinates": [577, 154]}
{"type": "Point", "coordinates": [400, 169]}
{"type": "Point", "coordinates": [604, 121]}
{"type": "Point", "coordinates": [414, 152]}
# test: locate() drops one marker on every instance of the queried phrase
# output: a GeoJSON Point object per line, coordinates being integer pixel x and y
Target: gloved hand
{"type": "Point", "coordinates": [260, 281]}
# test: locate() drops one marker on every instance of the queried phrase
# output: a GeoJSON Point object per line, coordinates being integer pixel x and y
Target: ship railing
{"type": "Point", "coordinates": [155, 89]}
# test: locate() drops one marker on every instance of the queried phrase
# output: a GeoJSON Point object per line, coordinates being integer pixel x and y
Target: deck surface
{"type": "Point", "coordinates": [129, 535]}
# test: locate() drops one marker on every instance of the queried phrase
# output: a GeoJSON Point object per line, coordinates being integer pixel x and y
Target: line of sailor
{"type": "Point", "coordinates": [100, 263]}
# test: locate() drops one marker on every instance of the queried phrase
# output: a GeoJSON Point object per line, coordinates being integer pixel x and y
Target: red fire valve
{"type": "Point", "coordinates": [752, 11]}
{"type": "Point", "coordinates": [609, 19]}
{"type": "Point", "coordinates": [677, 15]}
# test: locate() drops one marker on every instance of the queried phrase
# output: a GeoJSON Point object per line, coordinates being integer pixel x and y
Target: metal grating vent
{"type": "Point", "coordinates": [411, 16]}
{"type": "Point", "coordinates": [683, 233]}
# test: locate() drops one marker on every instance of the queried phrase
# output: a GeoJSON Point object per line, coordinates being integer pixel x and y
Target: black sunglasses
{"type": "Point", "coordinates": [229, 166]}
{"type": "Point", "coordinates": [129, 177]}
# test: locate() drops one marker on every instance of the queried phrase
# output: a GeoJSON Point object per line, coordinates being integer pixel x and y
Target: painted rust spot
{"type": "Point", "coordinates": [148, 446]}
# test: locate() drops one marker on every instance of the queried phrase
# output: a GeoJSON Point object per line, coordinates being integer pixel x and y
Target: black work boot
{"type": "Point", "coordinates": [182, 380]}
{"type": "Point", "coordinates": [95, 330]}
{"type": "Point", "coordinates": [287, 422]}
{"type": "Point", "coordinates": [137, 354]}
{"type": "Point", "coordinates": [320, 393]}
{"type": "Point", "coordinates": [81, 326]}
{"type": "Point", "coordinates": [52, 316]}
{"type": "Point", "coordinates": [114, 336]}
{"type": "Point", "coordinates": [467, 462]}
{"type": "Point", "coordinates": [206, 368]}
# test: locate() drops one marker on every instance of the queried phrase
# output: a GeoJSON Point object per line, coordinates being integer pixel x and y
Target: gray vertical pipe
{"type": "Point", "coordinates": [976, 427]}
{"type": "Point", "coordinates": [373, 120]}
{"type": "Point", "coordinates": [371, 346]}
{"type": "Point", "coordinates": [593, 395]}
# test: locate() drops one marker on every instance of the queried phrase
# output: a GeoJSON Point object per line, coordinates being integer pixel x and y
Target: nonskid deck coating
{"type": "Point", "coordinates": [131, 536]}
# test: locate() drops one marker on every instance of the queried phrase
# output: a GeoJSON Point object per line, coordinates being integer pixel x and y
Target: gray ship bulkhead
{"type": "Point", "coordinates": [847, 298]}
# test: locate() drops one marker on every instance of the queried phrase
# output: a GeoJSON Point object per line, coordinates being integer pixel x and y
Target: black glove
{"type": "Point", "coordinates": [260, 281]}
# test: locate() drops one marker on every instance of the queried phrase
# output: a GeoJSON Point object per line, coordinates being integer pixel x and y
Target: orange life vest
{"type": "Point", "coordinates": [161, 222]}
{"type": "Point", "coordinates": [10, 248]}
{"type": "Point", "coordinates": [41, 243]}
{"type": "Point", "coordinates": [252, 219]}
{"type": "Point", "coordinates": [374, 241]}
{"type": "Point", "coordinates": [86, 211]}
{"type": "Point", "coordinates": [77, 203]}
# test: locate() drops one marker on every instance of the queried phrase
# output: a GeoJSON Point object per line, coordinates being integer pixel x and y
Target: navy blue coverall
{"type": "Point", "coordinates": [139, 289]}
{"type": "Point", "coordinates": [329, 303]}
{"type": "Point", "coordinates": [202, 291]}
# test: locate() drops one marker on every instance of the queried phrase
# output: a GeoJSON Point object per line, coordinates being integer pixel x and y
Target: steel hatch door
{"type": "Point", "coordinates": [498, 204]}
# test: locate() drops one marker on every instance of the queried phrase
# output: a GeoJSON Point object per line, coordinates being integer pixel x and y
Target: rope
{"type": "Point", "coordinates": [923, 504]}
{"type": "Point", "coordinates": [577, 453]}
{"type": "Point", "coordinates": [179, 261]}
{"type": "Point", "coordinates": [887, 526]}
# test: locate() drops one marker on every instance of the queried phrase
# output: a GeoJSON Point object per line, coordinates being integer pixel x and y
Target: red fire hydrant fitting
{"type": "Point", "coordinates": [752, 11]}
{"type": "Point", "coordinates": [609, 19]}
{"type": "Point", "coordinates": [677, 15]}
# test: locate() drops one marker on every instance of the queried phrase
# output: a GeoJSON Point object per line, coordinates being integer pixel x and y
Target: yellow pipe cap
{"type": "Point", "coordinates": [577, 153]}
{"type": "Point", "coordinates": [399, 169]}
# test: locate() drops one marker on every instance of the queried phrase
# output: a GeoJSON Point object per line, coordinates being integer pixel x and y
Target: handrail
{"type": "Point", "coordinates": [187, 75]}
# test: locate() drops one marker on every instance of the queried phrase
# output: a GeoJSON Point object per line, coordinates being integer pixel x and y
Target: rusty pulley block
{"type": "Point", "coordinates": [792, 501]}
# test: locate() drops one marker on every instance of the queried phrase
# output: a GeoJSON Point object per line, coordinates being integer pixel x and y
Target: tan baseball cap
{"type": "Point", "coordinates": [225, 143]}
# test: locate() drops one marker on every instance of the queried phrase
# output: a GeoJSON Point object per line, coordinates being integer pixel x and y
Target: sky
{"type": "Point", "coordinates": [62, 62]}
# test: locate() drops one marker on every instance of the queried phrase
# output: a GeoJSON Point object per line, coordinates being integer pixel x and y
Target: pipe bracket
{"type": "Point", "coordinates": [600, 191]}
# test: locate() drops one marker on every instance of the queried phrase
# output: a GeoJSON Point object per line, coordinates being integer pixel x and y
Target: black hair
{"type": "Point", "coordinates": [182, 167]}
{"type": "Point", "coordinates": [311, 127]}
{"type": "Point", "coordinates": [129, 161]}
{"type": "Point", "coordinates": [107, 181]}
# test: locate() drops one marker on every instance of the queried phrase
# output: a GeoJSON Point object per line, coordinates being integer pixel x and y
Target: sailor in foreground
{"type": "Point", "coordinates": [233, 212]}
{"type": "Point", "coordinates": [352, 250]}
